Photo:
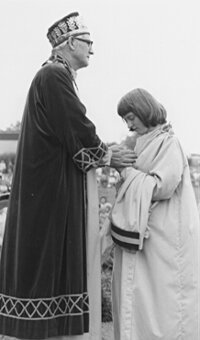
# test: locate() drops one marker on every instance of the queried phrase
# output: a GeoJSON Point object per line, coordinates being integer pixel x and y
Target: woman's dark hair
{"type": "Point", "coordinates": [144, 106]}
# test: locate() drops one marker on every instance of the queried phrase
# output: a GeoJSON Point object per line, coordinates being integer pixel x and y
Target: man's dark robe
{"type": "Point", "coordinates": [43, 282]}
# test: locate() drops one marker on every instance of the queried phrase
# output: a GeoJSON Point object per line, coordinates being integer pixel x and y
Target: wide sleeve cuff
{"type": "Point", "coordinates": [86, 158]}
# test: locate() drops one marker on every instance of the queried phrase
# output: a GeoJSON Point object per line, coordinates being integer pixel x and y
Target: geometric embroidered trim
{"type": "Point", "coordinates": [43, 309]}
{"type": "Point", "coordinates": [83, 160]}
{"type": "Point", "coordinates": [97, 153]}
{"type": "Point", "coordinates": [90, 157]}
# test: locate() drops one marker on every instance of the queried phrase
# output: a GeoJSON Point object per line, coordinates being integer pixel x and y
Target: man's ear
{"type": "Point", "coordinates": [72, 43]}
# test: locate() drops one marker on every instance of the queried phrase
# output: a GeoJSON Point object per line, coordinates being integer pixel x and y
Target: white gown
{"type": "Point", "coordinates": [156, 290]}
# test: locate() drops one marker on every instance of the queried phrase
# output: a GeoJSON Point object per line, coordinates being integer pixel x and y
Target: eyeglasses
{"type": "Point", "coordinates": [88, 42]}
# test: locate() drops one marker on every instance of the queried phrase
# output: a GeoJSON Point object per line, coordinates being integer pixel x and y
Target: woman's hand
{"type": "Point", "coordinates": [122, 157]}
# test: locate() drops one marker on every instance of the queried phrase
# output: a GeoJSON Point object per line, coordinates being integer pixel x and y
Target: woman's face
{"type": "Point", "coordinates": [135, 124]}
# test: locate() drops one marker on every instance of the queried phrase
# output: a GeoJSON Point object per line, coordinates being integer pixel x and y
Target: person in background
{"type": "Point", "coordinates": [50, 263]}
{"type": "Point", "coordinates": [102, 202]}
{"type": "Point", "coordinates": [155, 226]}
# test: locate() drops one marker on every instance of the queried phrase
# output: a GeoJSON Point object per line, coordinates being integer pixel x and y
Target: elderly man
{"type": "Point", "coordinates": [50, 265]}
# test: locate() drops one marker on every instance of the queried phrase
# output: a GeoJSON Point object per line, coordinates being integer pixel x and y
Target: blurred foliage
{"type": "Point", "coordinates": [14, 127]}
{"type": "Point", "coordinates": [106, 278]}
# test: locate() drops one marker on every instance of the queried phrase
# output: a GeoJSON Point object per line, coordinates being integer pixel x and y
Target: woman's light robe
{"type": "Point", "coordinates": [156, 289]}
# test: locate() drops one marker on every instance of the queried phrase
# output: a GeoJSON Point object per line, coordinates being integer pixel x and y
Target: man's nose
{"type": "Point", "coordinates": [91, 50]}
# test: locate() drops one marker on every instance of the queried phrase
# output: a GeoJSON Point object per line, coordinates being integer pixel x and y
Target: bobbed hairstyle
{"type": "Point", "coordinates": [144, 106]}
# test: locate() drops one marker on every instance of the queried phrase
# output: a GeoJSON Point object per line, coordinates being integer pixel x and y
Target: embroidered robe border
{"type": "Point", "coordinates": [44, 308]}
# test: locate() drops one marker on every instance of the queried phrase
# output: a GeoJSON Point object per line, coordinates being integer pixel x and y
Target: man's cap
{"type": "Point", "coordinates": [61, 30]}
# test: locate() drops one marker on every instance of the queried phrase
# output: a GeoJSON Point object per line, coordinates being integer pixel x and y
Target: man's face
{"type": "Point", "coordinates": [83, 50]}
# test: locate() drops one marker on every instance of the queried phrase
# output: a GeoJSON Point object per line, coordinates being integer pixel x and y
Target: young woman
{"type": "Point", "coordinates": [155, 226]}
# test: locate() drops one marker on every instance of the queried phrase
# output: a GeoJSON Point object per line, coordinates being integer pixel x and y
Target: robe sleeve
{"type": "Point", "coordinates": [165, 171]}
{"type": "Point", "coordinates": [67, 117]}
{"type": "Point", "coordinates": [168, 169]}
{"type": "Point", "coordinates": [130, 213]}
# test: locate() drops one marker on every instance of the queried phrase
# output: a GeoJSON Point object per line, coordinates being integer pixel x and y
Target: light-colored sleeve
{"type": "Point", "coordinates": [130, 213]}
{"type": "Point", "coordinates": [168, 170]}
{"type": "Point", "coordinates": [165, 171]}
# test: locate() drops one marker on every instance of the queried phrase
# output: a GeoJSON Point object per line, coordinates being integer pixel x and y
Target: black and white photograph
{"type": "Point", "coordinates": [100, 170]}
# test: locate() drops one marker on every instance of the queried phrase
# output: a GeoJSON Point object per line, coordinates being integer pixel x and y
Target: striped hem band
{"type": "Point", "coordinates": [124, 238]}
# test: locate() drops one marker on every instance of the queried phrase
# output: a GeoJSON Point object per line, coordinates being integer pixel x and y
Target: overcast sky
{"type": "Point", "coordinates": [153, 44]}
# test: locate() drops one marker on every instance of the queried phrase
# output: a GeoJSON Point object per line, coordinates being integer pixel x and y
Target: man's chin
{"type": "Point", "coordinates": [84, 65]}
